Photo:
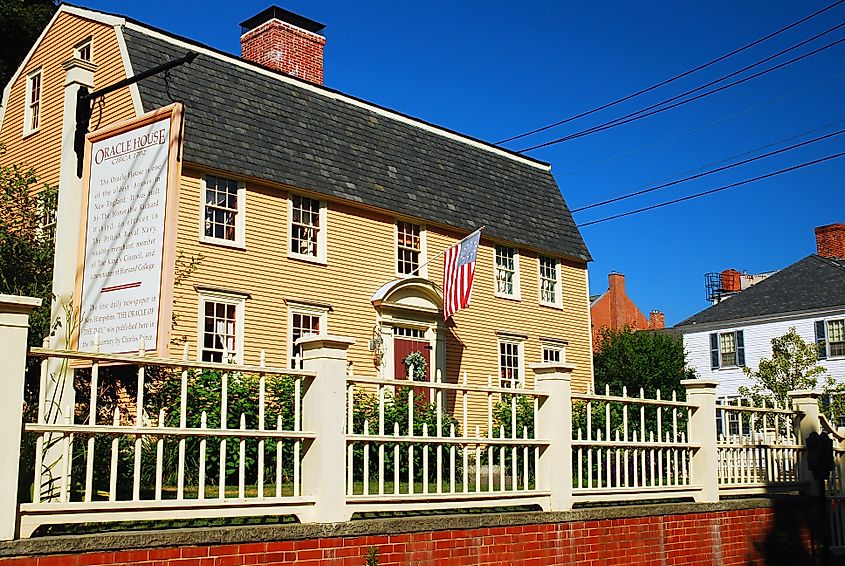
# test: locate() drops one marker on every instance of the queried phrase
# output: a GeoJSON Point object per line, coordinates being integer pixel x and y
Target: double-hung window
{"type": "Point", "coordinates": [510, 362]}
{"type": "Point", "coordinates": [307, 228]}
{"type": "Point", "coordinates": [221, 327]}
{"type": "Point", "coordinates": [830, 337]}
{"type": "Point", "coordinates": [410, 249]}
{"type": "Point", "coordinates": [32, 111]}
{"type": "Point", "coordinates": [304, 320]}
{"type": "Point", "coordinates": [223, 211]}
{"type": "Point", "coordinates": [550, 287]}
{"type": "Point", "coordinates": [727, 349]}
{"type": "Point", "coordinates": [507, 272]}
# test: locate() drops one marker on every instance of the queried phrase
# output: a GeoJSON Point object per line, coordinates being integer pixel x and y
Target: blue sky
{"type": "Point", "coordinates": [493, 69]}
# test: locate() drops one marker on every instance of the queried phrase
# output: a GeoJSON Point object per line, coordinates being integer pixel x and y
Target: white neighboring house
{"type": "Point", "coordinates": [737, 332]}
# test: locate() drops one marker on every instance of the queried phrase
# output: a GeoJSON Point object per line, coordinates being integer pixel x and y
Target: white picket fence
{"type": "Point", "coordinates": [322, 443]}
{"type": "Point", "coordinates": [641, 450]}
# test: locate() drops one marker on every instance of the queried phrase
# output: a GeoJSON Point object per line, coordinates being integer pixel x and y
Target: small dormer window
{"type": "Point", "coordinates": [82, 50]}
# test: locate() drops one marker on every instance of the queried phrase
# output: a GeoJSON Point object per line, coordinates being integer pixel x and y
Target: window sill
{"type": "Point", "coordinates": [727, 368]}
{"type": "Point", "coordinates": [552, 306]}
{"type": "Point", "coordinates": [423, 274]}
{"type": "Point", "coordinates": [307, 258]}
{"type": "Point", "coordinates": [30, 133]}
{"type": "Point", "coordinates": [223, 243]}
{"type": "Point", "coordinates": [515, 298]}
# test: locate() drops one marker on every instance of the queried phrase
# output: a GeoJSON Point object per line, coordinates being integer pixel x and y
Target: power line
{"type": "Point", "coordinates": [711, 191]}
{"type": "Point", "coordinates": [676, 77]}
{"type": "Point", "coordinates": [711, 124]}
{"type": "Point", "coordinates": [709, 172]}
{"type": "Point", "coordinates": [638, 115]}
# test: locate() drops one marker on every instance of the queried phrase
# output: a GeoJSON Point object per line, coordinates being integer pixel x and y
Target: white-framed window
{"type": "Point", "coordinates": [727, 349]}
{"type": "Point", "coordinates": [223, 212]}
{"type": "Point", "coordinates": [553, 351]}
{"type": "Point", "coordinates": [410, 249]}
{"type": "Point", "coordinates": [32, 110]}
{"type": "Point", "coordinates": [507, 272]}
{"type": "Point", "coordinates": [221, 327]}
{"type": "Point", "coordinates": [511, 364]}
{"type": "Point", "coordinates": [304, 320]}
{"type": "Point", "coordinates": [550, 285]}
{"type": "Point", "coordinates": [408, 332]}
{"type": "Point", "coordinates": [830, 337]}
{"type": "Point", "coordinates": [307, 228]}
{"type": "Point", "coordinates": [82, 50]}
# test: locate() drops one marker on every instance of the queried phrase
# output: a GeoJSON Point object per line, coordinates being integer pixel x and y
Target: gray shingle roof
{"type": "Point", "coordinates": [812, 283]}
{"type": "Point", "coordinates": [243, 121]}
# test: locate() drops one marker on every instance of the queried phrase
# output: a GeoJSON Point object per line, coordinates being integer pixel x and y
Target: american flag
{"type": "Point", "coordinates": [458, 272]}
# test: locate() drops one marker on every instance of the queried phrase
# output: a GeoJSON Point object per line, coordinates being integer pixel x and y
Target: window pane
{"type": "Point", "coordinates": [221, 208]}
{"type": "Point", "coordinates": [409, 247]}
{"type": "Point", "coordinates": [305, 225]}
{"type": "Point", "coordinates": [219, 330]}
{"type": "Point", "coordinates": [505, 270]}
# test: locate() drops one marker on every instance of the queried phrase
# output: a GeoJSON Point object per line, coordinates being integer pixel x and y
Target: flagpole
{"type": "Point", "coordinates": [440, 253]}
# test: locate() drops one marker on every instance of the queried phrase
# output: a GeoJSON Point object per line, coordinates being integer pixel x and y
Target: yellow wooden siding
{"type": "Point", "coordinates": [360, 259]}
{"type": "Point", "coordinates": [41, 150]}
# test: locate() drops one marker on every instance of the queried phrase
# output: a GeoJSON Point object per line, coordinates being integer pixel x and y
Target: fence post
{"type": "Point", "coordinates": [554, 423]}
{"type": "Point", "coordinates": [323, 412]}
{"type": "Point", "coordinates": [702, 431]}
{"type": "Point", "coordinates": [14, 327]}
{"type": "Point", "coordinates": [806, 402]}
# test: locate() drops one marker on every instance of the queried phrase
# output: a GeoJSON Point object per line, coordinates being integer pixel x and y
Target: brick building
{"type": "Point", "coordinates": [614, 309]}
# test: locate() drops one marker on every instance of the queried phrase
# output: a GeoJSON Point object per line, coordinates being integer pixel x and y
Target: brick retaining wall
{"type": "Point", "coordinates": [777, 531]}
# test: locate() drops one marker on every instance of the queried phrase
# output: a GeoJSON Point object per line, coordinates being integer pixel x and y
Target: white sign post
{"type": "Point", "coordinates": [125, 280]}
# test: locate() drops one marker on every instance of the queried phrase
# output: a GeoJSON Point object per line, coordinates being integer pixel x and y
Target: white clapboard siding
{"type": "Point", "coordinates": [758, 344]}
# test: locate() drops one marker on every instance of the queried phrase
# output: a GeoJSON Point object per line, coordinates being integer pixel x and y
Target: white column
{"type": "Point", "coordinates": [554, 423]}
{"type": "Point", "coordinates": [806, 402]}
{"type": "Point", "coordinates": [324, 413]}
{"type": "Point", "coordinates": [702, 431]}
{"type": "Point", "coordinates": [14, 327]}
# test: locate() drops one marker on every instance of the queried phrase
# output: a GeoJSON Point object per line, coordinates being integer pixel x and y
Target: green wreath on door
{"type": "Point", "coordinates": [420, 366]}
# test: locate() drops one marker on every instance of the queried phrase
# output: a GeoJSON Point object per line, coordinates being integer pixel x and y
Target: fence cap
{"type": "Point", "coordinates": [805, 393]}
{"type": "Point", "coordinates": [18, 303]}
{"type": "Point", "coordinates": [544, 368]}
{"type": "Point", "coordinates": [698, 383]}
{"type": "Point", "coordinates": [325, 341]}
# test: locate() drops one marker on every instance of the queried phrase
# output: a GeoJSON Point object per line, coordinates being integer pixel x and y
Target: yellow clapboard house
{"type": "Point", "coordinates": [312, 211]}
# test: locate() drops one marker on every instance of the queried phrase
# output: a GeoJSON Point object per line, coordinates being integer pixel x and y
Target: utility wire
{"type": "Point", "coordinates": [637, 116]}
{"type": "Point", "coordinates": [709, 125]}
{"type": "Point", "coordinates": [676, 77]}
{"type": "Point", "coordinates": [712, 191]}
{"type": "Point", "coordinates": [709, 172]}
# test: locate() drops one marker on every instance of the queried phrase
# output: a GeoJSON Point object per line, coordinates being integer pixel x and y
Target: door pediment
{"type": "Point", "coordinates": [413, 293]}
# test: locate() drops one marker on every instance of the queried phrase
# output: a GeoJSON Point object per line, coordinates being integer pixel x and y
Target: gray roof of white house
{"type": "Point", "coordinates": [242, 119]}
{"type": "Point", "coordinates": [810, 284]}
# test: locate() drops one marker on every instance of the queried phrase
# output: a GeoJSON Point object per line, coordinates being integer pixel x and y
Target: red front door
{"type": "Point", "coordinates": [401, 348]}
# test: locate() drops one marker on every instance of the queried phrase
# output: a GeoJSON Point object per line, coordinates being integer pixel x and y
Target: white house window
{"type": "Point", "coordinates": [221, 327]}
{"type": "Point", "coordinates": [830, 337]}
{"type": "Point", "coordinates": [507, 272]}
{"type": "Point", "coordinates": [32, 112]}
{"type": "Point", "coordinates": [550, 293]}
{"type": "Point", "coordinates": [510, 363]}
{"type": "Point", "coordinates": [304, 320]}
{"type": "Point", "coordinates": [553, 354]}
{"type": "Point", "coordinates": [223, 211]}
{"type": "Point", "coordinates": [727, 349]}
{"type": "Point", "coordinates": [82, 50]}
{"type": "Point", "coordinates": [409, 248]}
{"type": "Point", "coordinates": [407, 332]}
{"type": "Point", "coordinates": [307, 222]}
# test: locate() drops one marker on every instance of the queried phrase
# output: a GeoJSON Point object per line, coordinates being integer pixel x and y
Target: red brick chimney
{"type": "Point", "coordinates": [616, 289]}
{"type": "Point", "coordinates": [830, 240]}
{"type": "Point", "coordinates": [656, 320]}
{"type": "Point", "coordinates": [286, 42]}
{"type": "Point", "coordinates": [731, 280]}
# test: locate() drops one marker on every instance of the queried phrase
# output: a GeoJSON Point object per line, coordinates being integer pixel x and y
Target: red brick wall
{"type": "Point", "coordinates": [741, 537]}
{"type": "Point", "coordinates": [285, 48]}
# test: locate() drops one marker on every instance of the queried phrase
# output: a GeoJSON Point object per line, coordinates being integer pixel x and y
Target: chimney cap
{"type": "Point", "coordinates": [283, 15]}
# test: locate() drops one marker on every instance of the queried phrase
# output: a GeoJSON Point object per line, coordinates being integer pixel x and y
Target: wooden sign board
{"type": "Point", "coordinates": [124, 279]}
